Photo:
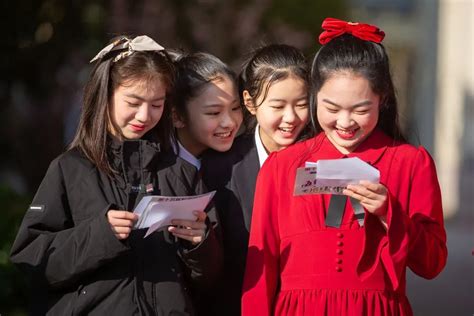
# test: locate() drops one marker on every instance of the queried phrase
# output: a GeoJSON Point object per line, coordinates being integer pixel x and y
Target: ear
{"type": "Point", "coordinates": [178, 122]}
{"type": "Point", "coordinates": [248, 102]}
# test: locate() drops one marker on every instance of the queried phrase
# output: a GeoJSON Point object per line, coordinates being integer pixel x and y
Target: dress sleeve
{"type": "Point", "coordinates": [415, 237]}
{"type": "Point", "coordinates": [50, 248]}
{"type": "Point", "coordinates": [262, 268]}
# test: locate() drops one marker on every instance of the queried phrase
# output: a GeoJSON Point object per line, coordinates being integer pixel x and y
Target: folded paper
{"type": "Point", "coordinates": [157, 211]}
{"type": "Point", "coordinates": [332, 176]}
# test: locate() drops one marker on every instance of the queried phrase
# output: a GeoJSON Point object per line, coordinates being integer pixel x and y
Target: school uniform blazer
{"type": "Point", "coordinates": [233, 174]}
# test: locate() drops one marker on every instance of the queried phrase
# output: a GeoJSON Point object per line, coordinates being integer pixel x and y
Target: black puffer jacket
{"type": "Point", "coordinates": [78, 266]}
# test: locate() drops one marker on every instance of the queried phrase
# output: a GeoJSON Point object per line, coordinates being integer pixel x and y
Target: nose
{"type": "Point", "coordinates": [345, 120]}
{"type": "Point", "coordinates": [143, 113]}
{"type": "Point", "coordinates": [228, 120]}
{"type": "Point", "coordinates": [289, 115]}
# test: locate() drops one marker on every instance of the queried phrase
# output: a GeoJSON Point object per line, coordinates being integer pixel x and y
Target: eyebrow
{"type": "Point", "coordinates": [211, 105]}
{"type": "Point", "coordinates": [363, 103]}
{"type": "Point", "coordinates": [283, 100]}
{"type": "Point", "coordinates": [135, 96]}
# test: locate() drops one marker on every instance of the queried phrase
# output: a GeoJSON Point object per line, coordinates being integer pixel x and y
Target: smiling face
{"type": "Point", "coordinates": [283, 113]}
{"type": "Point", "coordinates": [213, 118]}
{"type": "Point", "coordinates": [347, 110]}
{"type": "Point", "coordinates": [136, 107]}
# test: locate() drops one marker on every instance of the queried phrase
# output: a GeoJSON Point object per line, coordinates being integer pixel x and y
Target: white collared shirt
{"type": "Point", "coordinates": [186, 155]}
{"type": "Point", "coordinates": [261, 151]}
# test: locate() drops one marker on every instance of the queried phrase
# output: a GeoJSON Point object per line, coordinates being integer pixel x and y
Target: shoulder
{"type": "Point", "coordinates": [406, 151]}
{"type": "Point", "coordinates": [243, 143]}
{"type": "Point", "coordinates": [413, 159]}
{"type": "Point", "coordinates": [217, 166]}
{"type": "Point", "coordinates": [241, 146]}
{"type": "Point", "coordinates": [176, 175]}
{"type": "Point", "coordinates": [171, 163]}
{"type": "Point", "coordinates": [284, 162]}
{"type": "Point", "coordinates": [72, 161]}
{"type": "Point", "coordinates": [296, 153]}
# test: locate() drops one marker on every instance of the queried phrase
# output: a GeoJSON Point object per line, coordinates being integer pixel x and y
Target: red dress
{"type": "Point", "coordinates": [296, 265]}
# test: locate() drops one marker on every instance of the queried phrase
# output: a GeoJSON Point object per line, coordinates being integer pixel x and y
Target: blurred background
{"type": "Point", "coordinates": [47, 44]}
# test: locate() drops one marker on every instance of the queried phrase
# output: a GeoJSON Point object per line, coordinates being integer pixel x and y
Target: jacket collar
{"type": "Point", "coordinates": [133, 159]}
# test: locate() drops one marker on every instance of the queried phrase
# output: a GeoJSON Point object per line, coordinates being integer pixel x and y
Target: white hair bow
{"type": "Point", "coordinates": [139, 43]}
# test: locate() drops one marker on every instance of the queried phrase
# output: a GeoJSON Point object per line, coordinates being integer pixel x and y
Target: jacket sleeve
{"type": "Point", "coordinates": [416, 237]}
{"type": "Point", "coordinates": [50, 247]}
{"type": "Point", "coordinates": [203, 261]}
{"type": "Point", "coordinates": [262, 268]}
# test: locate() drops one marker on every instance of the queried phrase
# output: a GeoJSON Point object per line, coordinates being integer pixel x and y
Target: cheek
{"type": "Point", "coordinates": [201, 125]}
{"type": "Point", "coordinates": [303, 114]}
{"type": "Point", "coordinates": [324, 117]}
{"type": "Point", "coordinates": [369, 121]}
{"type": "Point", "coordinates": [119, 114]}
{"type": "Point", "coordinates": [238, 117]}
{"type": "Point", "coordinates": [266, 120]}
{"type": "Point", "coordinates": [272, 116]}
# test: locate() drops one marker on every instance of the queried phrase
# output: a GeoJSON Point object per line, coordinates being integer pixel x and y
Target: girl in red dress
{"type": "Point", "coordinates": [298, 263]}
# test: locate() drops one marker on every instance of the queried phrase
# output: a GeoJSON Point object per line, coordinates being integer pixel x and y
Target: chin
{"type": "Point", "coordinates": [222, 148]}
{"type": "Point", "coordinates": [286, 142]}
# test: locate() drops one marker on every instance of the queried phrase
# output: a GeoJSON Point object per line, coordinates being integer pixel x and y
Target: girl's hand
{"type": "Point", "coordinates": [193, 231]}
{"type": "Point", "coordinates": [121, 222]}
{"type": "Point", "coordinates": [372, 196]}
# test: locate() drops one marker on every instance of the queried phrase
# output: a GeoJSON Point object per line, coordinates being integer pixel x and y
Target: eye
{"type": "Point", "coordinates": [212, 113]}
{"type": "Point", "coordinates": [331, 110]}
{"type": "Point", "coordinates": [361, 112]}
{"type": "Point", "coordinates": [302, 105]}
{"type": "Point", "coordinates": [132, 104]}
{"type": "Point", "coordinates": [277, 107]}
{"type": "Point", "coordinates": [237, 108]}
{"type": "Point", "coordinates": [157, 106]}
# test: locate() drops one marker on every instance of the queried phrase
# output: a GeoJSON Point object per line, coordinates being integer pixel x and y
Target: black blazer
{"type": "Point", "coordinates": [233, 174]}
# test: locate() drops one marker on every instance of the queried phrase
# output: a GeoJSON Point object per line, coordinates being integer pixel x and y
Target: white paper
{"type": "Point", "coordinates": [333, 175]}
{"type": "Point", "coordinates": [157, 211]}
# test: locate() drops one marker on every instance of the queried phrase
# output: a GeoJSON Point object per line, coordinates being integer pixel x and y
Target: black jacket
{"type": "Point", "coordinates": [233, 174]}
{"type": "Point", "coordinates": [78, 266]}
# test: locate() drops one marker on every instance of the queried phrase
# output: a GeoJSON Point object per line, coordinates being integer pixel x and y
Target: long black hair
{"type": "Point", "coordinates": [92, 134]}
{"type": "Point", "coordinates": [347, 53]}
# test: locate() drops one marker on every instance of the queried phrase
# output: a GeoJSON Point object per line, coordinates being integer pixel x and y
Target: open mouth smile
{"type": "Point", "coordinates": [346, 134]}
{"type": "Point", "coordinates": [223, 135]}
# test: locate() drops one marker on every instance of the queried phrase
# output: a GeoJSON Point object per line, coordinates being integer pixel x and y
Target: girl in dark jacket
{"type": "Point", "coordinates": [273, 86]}
{"type": "Point", "coordinates": [76, 241]}
{"type": "Point", "coordinates": [206, 115]}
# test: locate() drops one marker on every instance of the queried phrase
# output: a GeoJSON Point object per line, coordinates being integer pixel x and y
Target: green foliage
{"type": "Point", "coordinates": [13, 288]}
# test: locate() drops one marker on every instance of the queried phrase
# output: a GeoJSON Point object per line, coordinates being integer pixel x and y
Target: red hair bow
{"type": "Point", "coordinates": [334, 28]}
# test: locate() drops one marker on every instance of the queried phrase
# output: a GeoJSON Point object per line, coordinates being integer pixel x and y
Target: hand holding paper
{"type": "Point", "coordinates": [193, 231]}
{"type": "Point", "coordinates": [121, 222]}
{"type": "Point", "coordinates": [158, 211]}
{"type": "Point", "coordinates": [372, 196]}
{"type": "Point", "coordinates": [333, 175]}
